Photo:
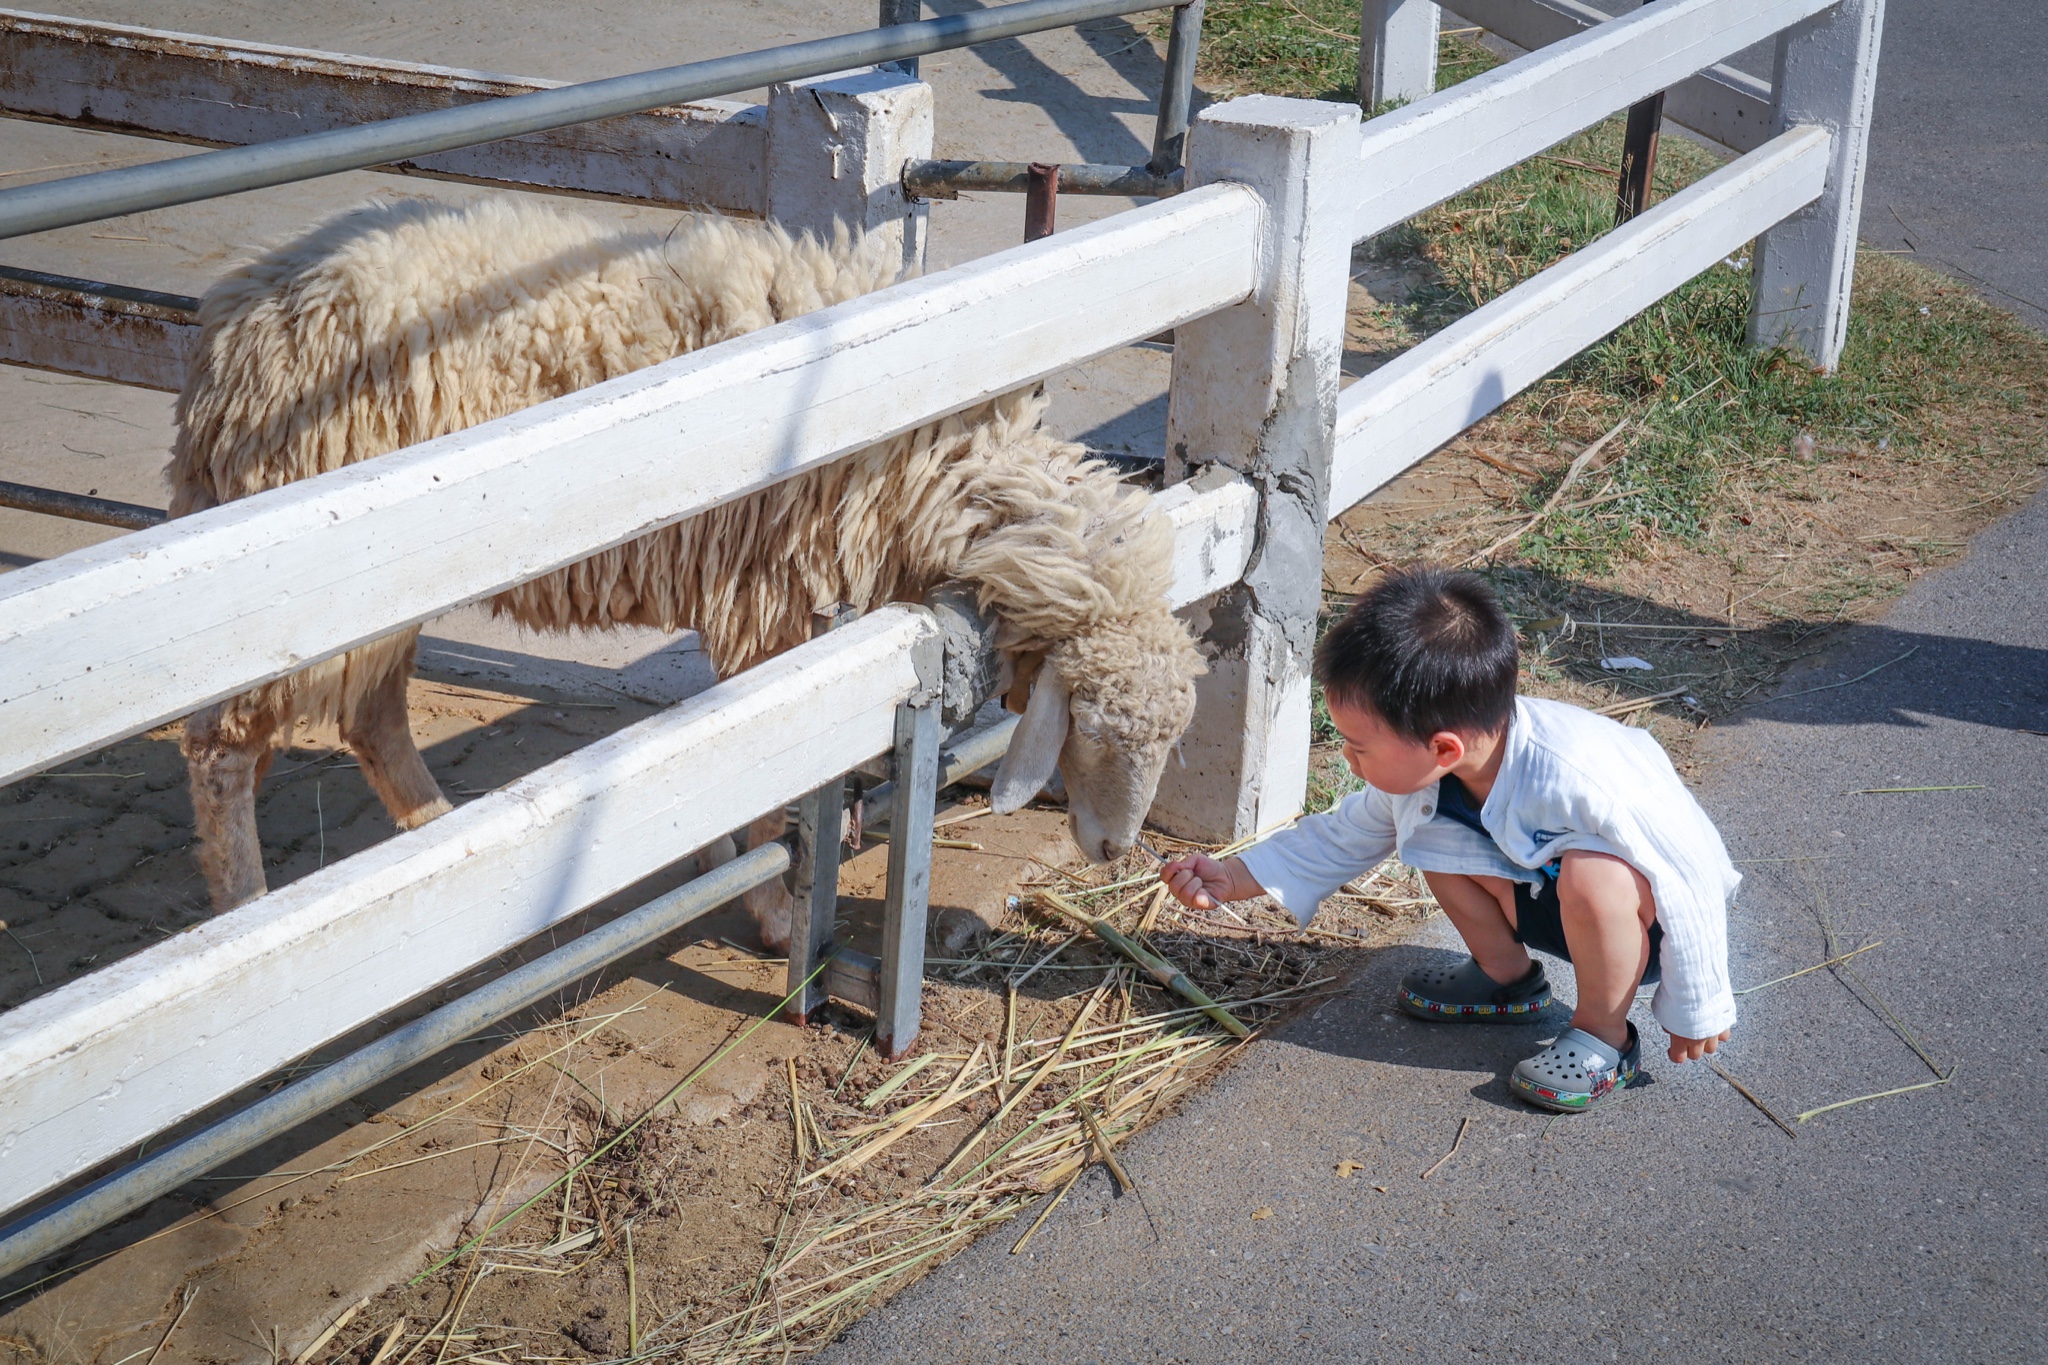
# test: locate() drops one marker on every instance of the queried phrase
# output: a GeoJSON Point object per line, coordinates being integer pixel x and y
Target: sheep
{"type": "Point", "coordinates": [402, 321]}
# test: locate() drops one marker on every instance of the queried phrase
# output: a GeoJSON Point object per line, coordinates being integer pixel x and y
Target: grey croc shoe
{"type": "Point", "coordinates": [1576, 1072]}
{"type": "Point", "coordinates": [1465, 994]}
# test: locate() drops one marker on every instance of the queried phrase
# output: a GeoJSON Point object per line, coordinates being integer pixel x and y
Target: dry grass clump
{"type": "Point", "coordinates": [982, 1135]}
{"type": "Point", "coordinates": [1042, 1053]}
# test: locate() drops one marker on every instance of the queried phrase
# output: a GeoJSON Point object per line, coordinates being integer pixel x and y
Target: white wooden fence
{"type": "Point", "coordinates": [1249, 269]}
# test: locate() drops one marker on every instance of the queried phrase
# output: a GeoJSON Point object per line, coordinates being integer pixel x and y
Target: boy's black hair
{"type": "Point", "coordinates": [1426, 649]}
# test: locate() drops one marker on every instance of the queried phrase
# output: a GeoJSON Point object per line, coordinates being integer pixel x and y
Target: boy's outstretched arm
{"type": "Point", "coordinates": [1202, 883]}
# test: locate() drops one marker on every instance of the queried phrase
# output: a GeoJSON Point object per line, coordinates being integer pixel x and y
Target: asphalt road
{"type": "Point", "coordinates": [1959, 142]}
{"type": "Point", "coordinates": [1678, 1224]}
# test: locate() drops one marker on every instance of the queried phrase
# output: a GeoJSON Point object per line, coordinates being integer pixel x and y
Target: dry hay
{"type": "Point", "coordinates": [889, 1169]}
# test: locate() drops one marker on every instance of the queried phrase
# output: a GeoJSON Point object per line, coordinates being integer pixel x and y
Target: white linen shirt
{"type": "Point", "coordinates": [1568, 780]}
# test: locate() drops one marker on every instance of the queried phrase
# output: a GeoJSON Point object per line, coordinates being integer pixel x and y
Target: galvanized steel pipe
{"type": "Point", "coordinates": [969, 753]}
{"type": "Point", "coordinates": [51, 1229]}
{"type": "Point", "coordinates": [233, 170]}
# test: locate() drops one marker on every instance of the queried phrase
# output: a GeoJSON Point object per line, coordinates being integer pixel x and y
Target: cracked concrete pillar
{"type": "Point", "coordinates": [836, 148]}
{"type": "Point", "coordinates": [1255, 389]}
{"type": "Point", "coordinates": [1826, 74]}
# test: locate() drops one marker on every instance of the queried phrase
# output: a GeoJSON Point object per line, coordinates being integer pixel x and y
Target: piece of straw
{"type": "Point", "coordinates": [1571, 476]}
{"type": "Point", "coordinates": [165, 1339]}
{"type": "Point", "coordinates": [390, 1343]}
{"type": "Point", "coordinates": [1046, 1212]}
{"type": "Point", "coordinates": [1818, 966]}
{"type": "Point", "coordinates": [633, 1296]}
{"type": "Point", "coordinates": [895, 1082]}
{"type": "Point", "coordinates": [1124, 1183]}
{"type": "Point", "coordinates": [1463, 1124]}
{"type": "Point", "coordinates": [1045, 1069]}
{"type": "Point", "coordinates": [1162, 971]}
{"type": "Point", "coordinates": [1752, 1097]}
{"type": "Point", "coordinates": [1882, 1094]}
{"type": "Point", "coordinates": [906, 1123]}
{"type": "Point", "coordinates": [605, 1150]}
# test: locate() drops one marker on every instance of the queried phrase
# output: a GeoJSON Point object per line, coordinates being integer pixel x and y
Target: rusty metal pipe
{"type": "Point", "coordinates": [1638, 157]}
{"type": "Point", "coordinates": [949, 179]}
{"type": "Point", "coordinates": [1041, 200]}
{"type": "Point", "coordinates": [78, 507]}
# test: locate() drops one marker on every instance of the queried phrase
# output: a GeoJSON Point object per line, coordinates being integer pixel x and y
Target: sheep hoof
{"type": "Point", "coordinates": [419, 815]}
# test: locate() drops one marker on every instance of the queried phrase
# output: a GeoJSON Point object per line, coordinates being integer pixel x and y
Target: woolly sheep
{"type": "Point", "coordinates": [400, 322]}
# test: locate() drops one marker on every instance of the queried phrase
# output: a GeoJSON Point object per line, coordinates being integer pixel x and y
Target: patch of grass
{"type": "Point", "coordinates": [1304, 48]}
{"type": "Point", "coordinates": [1750, 504]}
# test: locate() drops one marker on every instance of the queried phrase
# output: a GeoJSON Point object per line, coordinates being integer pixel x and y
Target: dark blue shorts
{"type": "Point", "coordinates": [1539, 924]}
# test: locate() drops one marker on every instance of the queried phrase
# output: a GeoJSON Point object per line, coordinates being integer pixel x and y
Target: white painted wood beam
{"type": "Point", "coordinates": [1731, 107]}
{"type": "Point", "coordinates": [1407, 408]}
{"type": "Point", "coordinates": [101, 331]}
{"type": "Point", "coordinates": [98, 1065]}
{"type": "Point", "coordinates": [1423, 154]}
{"type": "Point", "coordinates": [1215, 518]}
{"type": "Point", "coordinates": [219, 92]}
{"type": "Point", "coordinates": [112, 639]}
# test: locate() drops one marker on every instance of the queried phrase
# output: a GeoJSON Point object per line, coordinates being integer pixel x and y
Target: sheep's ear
{"type": "Point", "coordinates": [1023, 671]}
{"type": "Point", "coordinates": [1035, 748]}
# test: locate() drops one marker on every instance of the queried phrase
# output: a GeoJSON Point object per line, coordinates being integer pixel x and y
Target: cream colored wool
{"type": "Point", "coordinates": [400, 322]}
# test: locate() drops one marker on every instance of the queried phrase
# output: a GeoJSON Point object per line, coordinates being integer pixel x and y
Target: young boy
{"type": "Point", "coordinates": [1537, 825]}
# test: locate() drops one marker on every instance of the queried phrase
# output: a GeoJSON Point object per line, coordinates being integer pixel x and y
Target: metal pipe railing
{"type": "Point", "coordinates": [1177, 92]}
{"type": "Point", "coordinates": [49, 1230]}
{"type": "Point", "coordinates": [52, 502]}
{"type": "Point", "coordinates": [234, 170]}
{"type": "Point", "coordinates": [947, 179]}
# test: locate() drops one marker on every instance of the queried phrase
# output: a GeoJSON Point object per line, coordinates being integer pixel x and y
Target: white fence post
{"type": "Point", "coordinates": [836, 149]}
{"type": "Point", "coordinates": [1397, 50]}
{"type": "Point", "coordinates": [1255, 390]}
{"type": "Point", "coordinates": [1826, 74]}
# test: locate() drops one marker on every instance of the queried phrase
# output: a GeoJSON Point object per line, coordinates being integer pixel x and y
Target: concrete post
{"type": "Point", "coordinates": [836, 149]}
{"type": "Point", "coordinates": [1826, 74]}
{"type": "Point", "coordinates": [1255, 390]}
{"type": "Point", "coordinates": [1396, 50]}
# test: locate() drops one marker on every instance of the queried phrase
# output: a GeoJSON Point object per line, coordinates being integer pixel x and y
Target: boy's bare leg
{"type": "Point", "coordinates": [1482, 910]}
{"type": "Point", "coordinates": [1606, 907]}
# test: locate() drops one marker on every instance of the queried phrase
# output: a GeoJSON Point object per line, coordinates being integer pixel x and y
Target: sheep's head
{"type": "Point", "coordinates": [1106, 708]}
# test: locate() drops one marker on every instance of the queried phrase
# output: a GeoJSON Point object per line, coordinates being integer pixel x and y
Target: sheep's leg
{"type": "Point", "coordinates": [769, 903]}
{"type": "Point", "coordinates": [377, 732]}
{"type": "Point", "coordinates": [224, 770]}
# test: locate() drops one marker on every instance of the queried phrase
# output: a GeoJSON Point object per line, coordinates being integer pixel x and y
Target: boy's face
{"type": "Point", "coordinates": [1393, 762]}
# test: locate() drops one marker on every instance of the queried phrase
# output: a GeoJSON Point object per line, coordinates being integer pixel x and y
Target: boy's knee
{"type": "Point", "coordinates": [1603, 882]}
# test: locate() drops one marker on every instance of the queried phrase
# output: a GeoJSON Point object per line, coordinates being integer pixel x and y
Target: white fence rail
{"type": "Point", "coordinates": [1425, 153]}
{"type": "Point", "coordinates": [111, 640]}
{"type": "Point", "coordinates": [108, 641]}
{"type": "Point", "coordinates": [1408, 407]}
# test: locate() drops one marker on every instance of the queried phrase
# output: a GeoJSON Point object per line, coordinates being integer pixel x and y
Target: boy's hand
{"type": "Point", "coordinates": [1685, 1049]}
{"type": "Point", "coordinates": [1202, 883]}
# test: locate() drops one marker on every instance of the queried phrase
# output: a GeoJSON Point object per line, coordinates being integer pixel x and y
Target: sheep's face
{"type": "Point", "coordinates": [1111, 777]}
{"type": "Point", "coordinates": [1107, 708]}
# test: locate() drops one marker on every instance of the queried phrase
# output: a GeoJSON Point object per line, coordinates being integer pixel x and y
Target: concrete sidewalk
{"type": "Point", "coordinates": [1678, 1224]}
